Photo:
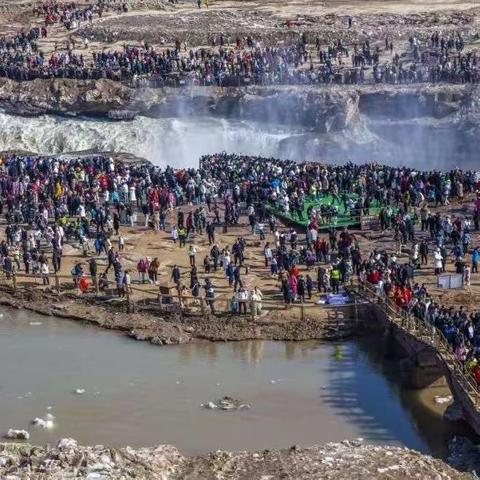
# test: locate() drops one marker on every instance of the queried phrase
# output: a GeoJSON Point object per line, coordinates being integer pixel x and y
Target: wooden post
{"type": "Point", "coordinates": [181, 301]}
{"type": "Point", "coordinates": [160, 300]}
{"type": "Point", "coordinates": [203, 307]}
{"type": "Point", "coordinates": [14, 282]}
{"type": "Point", "coordinates": [355, 307]}
{"type": "Point", "coordinates": [95, 283]}
{"type": "Point", "coordinates": [302, 312]}
{"type": "Point", "coordinates": [57, 283]}
{"type": "Point", "coordinates": [127, 294]}
{"type": "Point", "coordinates": [252, 309]}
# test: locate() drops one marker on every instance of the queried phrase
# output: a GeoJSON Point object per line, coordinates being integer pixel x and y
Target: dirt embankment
{"type": "Point", "coordinates": [165, 328]}
{"type": "Point", "coordinates": [334, 461]}
{"type": "Point", "coordinates": [270, 24]}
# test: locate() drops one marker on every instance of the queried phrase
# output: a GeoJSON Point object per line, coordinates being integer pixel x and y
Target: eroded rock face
{"type": "Point", "coordinates": [409, 124]}
{"type": "Point", "coordinates": [348, 459]}
{"type": "Point", "coordinates": [63, 96]}
{"type": "Point", "coordinates": [326, 108]}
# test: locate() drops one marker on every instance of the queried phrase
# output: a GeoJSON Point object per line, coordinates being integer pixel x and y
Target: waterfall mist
{"type": "Point", "coordinates": [175, 141]}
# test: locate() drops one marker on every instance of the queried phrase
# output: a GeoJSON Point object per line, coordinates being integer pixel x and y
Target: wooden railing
{"type": "Point", "coordinates": [164, 298]}
{"type": "Point", "coordinates": [425, 333]}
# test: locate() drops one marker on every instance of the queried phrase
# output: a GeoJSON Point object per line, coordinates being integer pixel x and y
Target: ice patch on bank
{"type": "Point", "coordinates": [174, 141]}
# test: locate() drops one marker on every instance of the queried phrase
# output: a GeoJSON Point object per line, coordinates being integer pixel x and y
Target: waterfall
{"type": "Point", "coordinates": [175, 141]}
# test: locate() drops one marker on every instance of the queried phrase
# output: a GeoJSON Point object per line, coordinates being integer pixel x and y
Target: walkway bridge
{"type": "Point", "coordinates": [432, 357]}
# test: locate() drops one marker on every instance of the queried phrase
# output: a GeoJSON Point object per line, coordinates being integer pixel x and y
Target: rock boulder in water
{"type": "Point", "coordinates": [226, 403]}
{"type": "Point", "coordinates": [14, 434]}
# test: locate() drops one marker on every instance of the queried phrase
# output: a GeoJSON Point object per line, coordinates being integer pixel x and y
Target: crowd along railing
{"type": "Point", "coordinates": [425, 332]}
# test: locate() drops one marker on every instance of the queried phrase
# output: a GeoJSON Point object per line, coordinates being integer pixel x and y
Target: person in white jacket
{"type": "Point", "coordinates": [256, 296]}
{"type": "Point", "coordinates": [438, 258]}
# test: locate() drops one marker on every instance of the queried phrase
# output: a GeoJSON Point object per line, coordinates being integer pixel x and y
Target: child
{"type": "Point", "coordinates": [121, 243]}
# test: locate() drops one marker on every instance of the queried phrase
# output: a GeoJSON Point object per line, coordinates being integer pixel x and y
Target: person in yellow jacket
{"type": "Point", "coordinates": [58, 190]}
{"type": "Point", "coordinates": [335, 279]}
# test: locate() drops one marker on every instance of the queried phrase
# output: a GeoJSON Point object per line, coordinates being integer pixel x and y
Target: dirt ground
{"type": "Point", "coordinates": [143, 242]}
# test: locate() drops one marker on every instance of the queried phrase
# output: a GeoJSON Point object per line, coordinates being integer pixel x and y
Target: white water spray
{"type": "Point", "coordinates": [174, 141]}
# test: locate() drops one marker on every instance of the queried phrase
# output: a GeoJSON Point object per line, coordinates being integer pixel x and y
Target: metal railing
{"type": "Point", "coordinates": [425, 333]}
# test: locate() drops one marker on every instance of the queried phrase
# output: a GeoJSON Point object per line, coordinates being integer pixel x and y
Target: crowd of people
{"type": "Point", "coordinates": [51, 201]}
{"type": "Point", "coordinates": [248, 61]}
{"type": "Point", "coordinates": [439, 58]}
{"type": "Point", "coordinates": [71, 15]}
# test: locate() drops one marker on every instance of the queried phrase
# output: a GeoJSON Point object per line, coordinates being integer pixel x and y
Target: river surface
{"type": "Point", "coordinates": [138, 394]}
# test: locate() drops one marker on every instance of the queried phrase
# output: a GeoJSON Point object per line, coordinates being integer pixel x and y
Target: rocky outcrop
{"type": "Point", "coordinates": [349, 459]}
{"type": "Point", "coordinates": [326, 108]}
{"type": "Point", "coordinates": [63, 96]}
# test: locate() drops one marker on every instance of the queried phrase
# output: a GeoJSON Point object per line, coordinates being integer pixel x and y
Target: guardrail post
{"type": "Point", "coordinates": [181, 301]}
{"type": "Point", "coordinates": [160, 300]}
{"type": "Point", "coordinates": [130, 302]}
{"type": "Point", "coordinates": [95, 283]}
{"type": "Point", "coordinates": [203, 307]}
{"type": "Point", "coordinates": [252, 309]}
{"type": "Point", "coordinates": [57, 283]}
{"type": "Point", "coordinates": [302, 312]}
{"type": "Point", "coordinates": [14, 282]}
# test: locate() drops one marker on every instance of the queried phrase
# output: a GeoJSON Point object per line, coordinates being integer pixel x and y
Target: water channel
{"type": "Point", "coordinates": [137, 394]}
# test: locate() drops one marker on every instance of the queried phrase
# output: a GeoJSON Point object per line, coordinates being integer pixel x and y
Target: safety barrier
{"type": "Point", "coordinates": [425, 333]}
{"type": "Point", "coordinates": [142, 296]}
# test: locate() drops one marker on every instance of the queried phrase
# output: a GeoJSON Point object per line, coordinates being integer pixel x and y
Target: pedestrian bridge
{"type": "Point", "coordinates": [429, 352]}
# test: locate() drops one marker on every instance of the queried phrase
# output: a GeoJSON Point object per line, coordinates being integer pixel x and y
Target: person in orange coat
{"type": "Point", "coordinates": [83, 284]}
{"type": "Point", "coordinates": [294, 271]}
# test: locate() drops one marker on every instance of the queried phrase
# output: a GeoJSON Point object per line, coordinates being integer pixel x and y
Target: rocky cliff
{"type": "Point", "coordinates": [327, 108]}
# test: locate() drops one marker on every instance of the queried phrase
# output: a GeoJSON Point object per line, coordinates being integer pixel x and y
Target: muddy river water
{"type": "Point", "coordinates": [138, 394]}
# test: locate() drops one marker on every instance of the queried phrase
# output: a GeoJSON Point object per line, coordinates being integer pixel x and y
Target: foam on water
{"type": "Point", "coordinates": [174, 141]}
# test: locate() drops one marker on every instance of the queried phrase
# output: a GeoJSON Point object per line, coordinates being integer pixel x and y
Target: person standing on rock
{"type": "Point", "coordinates": [111, 259]}
{"type": "Point", "coordinates": [116, 223]}
{"type": "Point", "coordinates": [45, 272]}
{"type": "Point", "coordinates": [475, 259]}
{"type": "Point", "coordinates": [210, 295]}
{"type": "Point", "coordinates": [256, 298]}
{"type": "Point", "coordinates": [153, 270]}
{"type": "Point", "coordinates": [176, 275]}
{"type": "Point", "coordinates": [438, 261]}
{"type": "Point", "coordinates": [182, 236]}
{"type": "Point", "coordinates": [192, 252]}
{"type": "Point", "coordinates": [174, 234]}
{"type": "Point", "coordinates": [237, 277]}
{"type": "Point", "coordinates": [335, 278]}
{"type": "Point", "coordinates": [211, 233]}
{"type": "Point", "coordinates": [301, 289]}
